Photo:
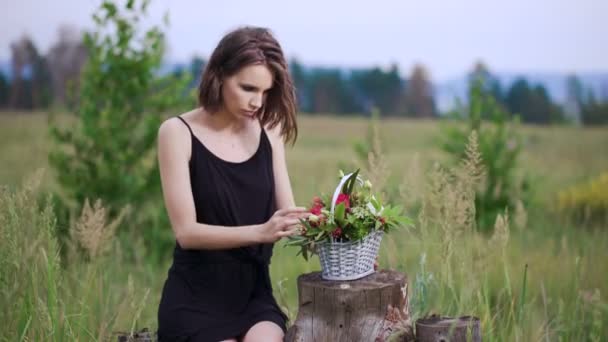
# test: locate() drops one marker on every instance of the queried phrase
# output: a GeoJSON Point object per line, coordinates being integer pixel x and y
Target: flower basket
{"type": "Point", "coordinates": [346, 235]}
{"type": "Point", "coordinates": [349, 260]}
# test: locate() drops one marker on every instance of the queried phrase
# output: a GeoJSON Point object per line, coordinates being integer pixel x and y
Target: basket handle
{"type": "Point", "coordinates": [339, 188]}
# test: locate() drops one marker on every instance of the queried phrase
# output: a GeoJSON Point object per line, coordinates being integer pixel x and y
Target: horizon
{"type": "Point", "coordinates": [448, 39]}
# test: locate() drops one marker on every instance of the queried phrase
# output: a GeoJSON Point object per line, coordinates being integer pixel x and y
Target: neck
{"type": "Point", "coordinates": [224, 121]}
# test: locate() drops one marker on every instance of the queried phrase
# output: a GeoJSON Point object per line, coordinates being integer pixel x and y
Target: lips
{"type": "Point", "coordinates": [248, 112]}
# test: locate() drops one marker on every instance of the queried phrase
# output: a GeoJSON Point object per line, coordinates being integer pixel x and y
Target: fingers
{"type": "Point", "coordinates": [291, 210]}
{"type": "Point", "coordinates": [304, 215]}
{"type": "Point", "coordinates": [290, 222]}
{"type": "Point", "coordinates": [286, 233]}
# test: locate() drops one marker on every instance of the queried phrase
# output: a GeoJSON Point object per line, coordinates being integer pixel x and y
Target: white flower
{"type": "Point", "coordinates": [313, 218]}
{"type": "Point", "coordinates": [368, 184]}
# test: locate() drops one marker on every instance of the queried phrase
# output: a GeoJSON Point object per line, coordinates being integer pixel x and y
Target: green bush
{"type": "Point", "coordinates": [500, 145]}
{"type": "Point", "coordinates": [109, 151]}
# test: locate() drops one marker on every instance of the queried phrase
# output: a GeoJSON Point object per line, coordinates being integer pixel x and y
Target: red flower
{"type": "Point", "coordinates": [317, 205]}
{"type": "Point", "coordinates": [316, 210]}
{"type": "Point", "coordinates": [343, 198]}
{"type": "Point", "coordinates": [382, 220]}
{"type": "Point", "coordinates": [337, 233]}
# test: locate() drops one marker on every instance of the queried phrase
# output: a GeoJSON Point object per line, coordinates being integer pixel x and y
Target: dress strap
{"type": "Point", "coordinates": [185, 123]}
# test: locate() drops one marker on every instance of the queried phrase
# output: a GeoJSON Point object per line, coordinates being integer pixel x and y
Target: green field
{"type": "Point", "coordinates": [564, 296]}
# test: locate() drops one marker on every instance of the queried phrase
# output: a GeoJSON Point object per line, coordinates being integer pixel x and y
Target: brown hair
{"type": "Point", "coordinates": [246, 46]}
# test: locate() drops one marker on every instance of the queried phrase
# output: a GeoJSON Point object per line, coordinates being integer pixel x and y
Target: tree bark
{"type": "Point", "coordinates": [444, 329]}
{"type": "Point", "coordinates": [372, 308]}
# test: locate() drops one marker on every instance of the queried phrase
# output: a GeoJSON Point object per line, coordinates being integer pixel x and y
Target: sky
{"type": "Point", "coordinates": [447, 37]}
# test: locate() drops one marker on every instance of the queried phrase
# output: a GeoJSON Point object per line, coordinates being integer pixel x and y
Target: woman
{"type": "Point", "coordinates": [228, 195]}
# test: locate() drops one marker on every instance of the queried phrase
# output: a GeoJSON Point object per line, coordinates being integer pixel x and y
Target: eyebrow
{"type": "Point", "coordinates": [252, 86]}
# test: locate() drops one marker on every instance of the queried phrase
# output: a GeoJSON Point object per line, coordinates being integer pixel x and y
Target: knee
{"type": "Point", "coordinates": [264, 332]}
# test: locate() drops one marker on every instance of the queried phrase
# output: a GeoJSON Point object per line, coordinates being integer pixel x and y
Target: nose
{"type": "Point", "coordinates": [256, 102]}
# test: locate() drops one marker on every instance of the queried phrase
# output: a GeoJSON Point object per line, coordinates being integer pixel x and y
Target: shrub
{"type": "Point", "coordinates": [587, 202]}
{"type": "Point", "coordinates": [109, 152]}
{"type": "Point", "coordinates": [500, 145]}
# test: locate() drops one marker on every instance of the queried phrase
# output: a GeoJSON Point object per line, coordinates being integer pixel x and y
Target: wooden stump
{"type": "Point", "coordinates": [447, 329]}
{"type": "Point", "coordinates": [139, 336]}
{"type": "Point", "coordinates": [367, 309]}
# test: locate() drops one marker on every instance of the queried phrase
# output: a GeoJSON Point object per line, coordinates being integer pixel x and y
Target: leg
{"type": "Point", "coordinates": [264, 331]}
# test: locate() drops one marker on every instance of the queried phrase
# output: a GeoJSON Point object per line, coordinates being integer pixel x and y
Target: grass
{"type": "Point", "coordinates": [542, 280]}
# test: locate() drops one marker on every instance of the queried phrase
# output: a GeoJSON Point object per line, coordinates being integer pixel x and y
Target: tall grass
{"type": "Point", "coordinates": [83, 297]}
{"type": "Point", "coordinates": [534, 279]}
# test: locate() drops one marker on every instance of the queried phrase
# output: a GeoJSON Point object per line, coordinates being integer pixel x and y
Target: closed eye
{"type": "Point", "coordinates": [251, 88]}
{"type": "Point", "coordinates": [248, 88]}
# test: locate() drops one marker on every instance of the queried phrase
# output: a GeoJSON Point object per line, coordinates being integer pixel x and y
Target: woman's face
{"type": "Point", "coordinates": [245, 92]}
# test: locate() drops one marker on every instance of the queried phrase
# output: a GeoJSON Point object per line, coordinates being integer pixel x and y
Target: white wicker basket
{"type": "Point", "coordinates": [349, 260]}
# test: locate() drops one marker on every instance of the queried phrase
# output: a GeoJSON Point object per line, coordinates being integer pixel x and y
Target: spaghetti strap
{"type": "Point", "coordinates": [185, 123]}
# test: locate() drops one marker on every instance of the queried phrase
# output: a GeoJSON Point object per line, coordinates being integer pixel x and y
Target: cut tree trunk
{"type": "Point", "coordinates": [140, 336]}
{"type": "Point", "coordinates": [444, 329]}
{"type": "Point", "coordinates": [372, 308]}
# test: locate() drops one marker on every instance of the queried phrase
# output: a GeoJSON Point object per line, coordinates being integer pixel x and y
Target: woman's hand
{"type": "Point", "coordinates": [283, 223]}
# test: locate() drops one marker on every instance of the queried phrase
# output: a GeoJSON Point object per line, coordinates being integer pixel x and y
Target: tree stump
{"type": "Point", "coordinates": [448, 329]}
{"type": "Point", "coordinates": [367, 309]}
{"type": "Point", "coordinates": [139, 336]}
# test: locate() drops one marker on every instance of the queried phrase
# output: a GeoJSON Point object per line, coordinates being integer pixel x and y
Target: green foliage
{"type": "Point", "coordinates": [358, 213]}
{"type": "Point", "coordinates": [532, 103]}
{"type": "Point", "coordinates": [594, 112]}
{"type": "Point", "coordinates": [500, 146]}
{"type": "Point", "coordinates": [4, 90]}
{"type": "Point", "coordinates": [109, 152]}
{"type": "Point", "coordinates": [45, 299]}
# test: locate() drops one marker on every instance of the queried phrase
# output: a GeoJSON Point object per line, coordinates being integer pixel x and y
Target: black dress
{"type": "Point", "coordinates": [211, 295]}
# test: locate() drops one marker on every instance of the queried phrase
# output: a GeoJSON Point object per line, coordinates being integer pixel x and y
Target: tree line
{"type": "Point", "coordinates": [41, 80]}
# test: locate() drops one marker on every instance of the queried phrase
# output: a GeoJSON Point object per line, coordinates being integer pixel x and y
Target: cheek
{"type": "Point", "coordinates": [236, 97]}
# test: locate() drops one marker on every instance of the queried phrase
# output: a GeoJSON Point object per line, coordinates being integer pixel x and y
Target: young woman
{"type": "Point", "coordinates": [228, 194]}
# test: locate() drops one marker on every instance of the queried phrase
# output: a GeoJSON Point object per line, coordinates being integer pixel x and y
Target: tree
{"type": "Point", "coordinates": [21, 61]}
{"type": "Point", "coordinates": [329, 93]}
{"type": "Point", "coordinates": [197, 65]}
{"type": "Point", "coordinates": [574, 97]}
{"type": "Point", "coordinates": [532, 103]}
{"type": "Point", "coordinates": [301, 83]}
{"type": "Point", "coordinates": [4, 90]}
{"type": "Point", "coordinates": [379, 89]}
{"type": "Point", "coordinates": [419, 100]}
{"type": "Point", "coordinates": [587, 108]}
{"type": "Point", "coordinates": [488, 84]}
{"type": "Point", "coordinates": [594, 112]}
{"type": "Point", "coordinates": [66, 59]}
{"type": "Point", "coordinates": [109, 153]}
{"type": "Point", "coordinates": [500, 146]}
{"type": "Point", "coordinates": [31, 86]}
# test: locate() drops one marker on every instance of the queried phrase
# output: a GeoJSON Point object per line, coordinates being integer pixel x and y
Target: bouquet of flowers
{"type": "Point", "coordinates": [346, 229]}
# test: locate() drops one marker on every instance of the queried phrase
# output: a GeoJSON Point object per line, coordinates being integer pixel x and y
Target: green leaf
{"type": "Point", "coordinates": [339, 213]}
{"type": "Point", "coordinates": [350, 182]}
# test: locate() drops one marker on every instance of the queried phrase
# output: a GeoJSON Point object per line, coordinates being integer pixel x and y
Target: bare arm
{"type": "Point", "coordinates": [283, 192]}
{"type": "Point", "coordinates": [174, 146]}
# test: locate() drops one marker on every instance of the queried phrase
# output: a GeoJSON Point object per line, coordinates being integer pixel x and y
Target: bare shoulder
{"type": "Point", "coordinates": [274, 134]}
{"type": "Point", "coordinates": [170, 130]}
{"type": "Point", "coordinates": [173, 136]}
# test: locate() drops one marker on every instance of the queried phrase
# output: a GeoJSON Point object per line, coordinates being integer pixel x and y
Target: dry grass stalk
{"type": "Point", "coordinates": [91, 231]}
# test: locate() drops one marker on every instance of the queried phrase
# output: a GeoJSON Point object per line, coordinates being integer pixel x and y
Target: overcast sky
{"type": "Point", "coordinates": [446, 36]}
